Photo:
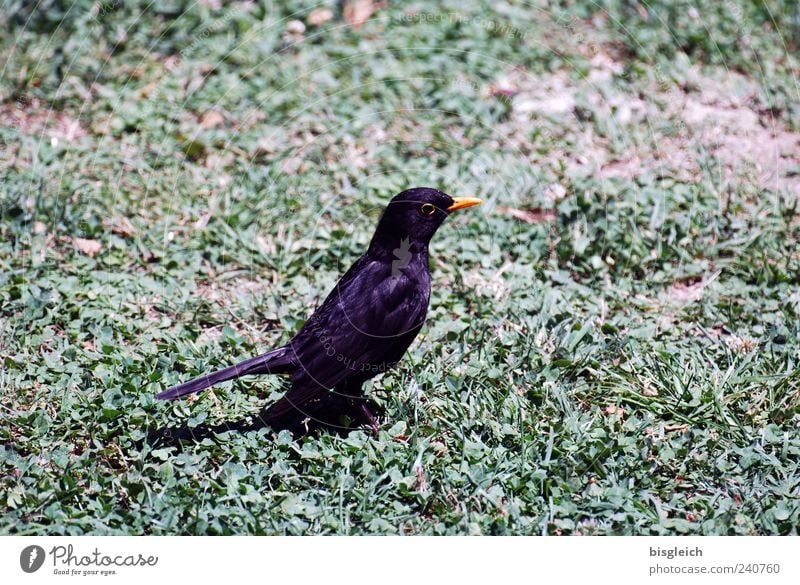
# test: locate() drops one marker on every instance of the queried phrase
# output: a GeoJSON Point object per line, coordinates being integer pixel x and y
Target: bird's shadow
{"type": "Point", "coordinates": [338, 418]}
{"type": "Point", "coordinates": [175, 436]}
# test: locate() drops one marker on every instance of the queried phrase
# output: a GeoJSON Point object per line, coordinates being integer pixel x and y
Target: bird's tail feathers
{"type": "Point", "coordinates": [277, 361]}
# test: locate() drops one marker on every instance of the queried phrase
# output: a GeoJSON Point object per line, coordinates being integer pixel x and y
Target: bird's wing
{"type": "Point", "coordinates": [369, 318]}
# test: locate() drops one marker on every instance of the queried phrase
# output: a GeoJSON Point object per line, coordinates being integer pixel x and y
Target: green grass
{"type": "Point", "coordinates": [628, 363]}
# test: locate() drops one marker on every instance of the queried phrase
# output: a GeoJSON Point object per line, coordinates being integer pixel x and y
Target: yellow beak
{"type": "Point", "coordinates": [462, 202]}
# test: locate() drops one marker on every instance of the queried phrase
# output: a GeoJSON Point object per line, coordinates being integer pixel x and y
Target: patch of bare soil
{"type": "Point", "coordinates": [34, 118]}
{"type": "Point", "coordinates": [617, 131]}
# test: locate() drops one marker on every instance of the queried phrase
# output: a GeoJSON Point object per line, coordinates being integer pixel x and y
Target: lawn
{"type": "Point", "coordinates": [612, 345]}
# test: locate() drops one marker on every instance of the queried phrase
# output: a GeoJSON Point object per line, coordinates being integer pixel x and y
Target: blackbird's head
{"type": "Point", "coordinates": [415, 215]}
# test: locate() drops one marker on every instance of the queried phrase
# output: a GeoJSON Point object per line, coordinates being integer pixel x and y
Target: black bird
{"type": "Point", "coordinates": [362, 328]}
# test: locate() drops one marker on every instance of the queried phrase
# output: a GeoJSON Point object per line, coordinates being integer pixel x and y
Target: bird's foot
{"type": "Point", "coordinates": [369, 418]}
{"type": "Point", "coordinates": [365, 413]}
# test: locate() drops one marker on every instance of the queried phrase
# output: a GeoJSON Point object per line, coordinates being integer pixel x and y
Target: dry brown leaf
{"type": "Point", "coordinates": [532, 215]}
{"type": "Point", "coordinates": [741, 344]}
{"type": "Point", "coordinates": [690, 289]}
{"type": "Point", "coordinates": [120, 225]}
{"type": "Point", "coordinates": [357, 12]}
{"type": "Point", "coordinates": [319, 16]}
{"type": "Point", "coordinates": [422, 482]}
{"type": "Point", "coordinates": [686, 292]}
{"type": "Point", "coordinates": [295, 27]}
{"type": "Point", "coordinates": [266, 145]}
{"type": "Point", "coordinates": [211, 119]}
{"type": "Point", "coordinates": [292, 165]}
{"type": "Point", "coordinates": [503, 87]}
{"type": "Point", "coordinates": [148, 89]}
{"type": "Point", "coordinates": [88, 247]}
{"type": "Point", "coordinates": [681, 427]}
{"type": "Point", "coordinates": [648, 389]}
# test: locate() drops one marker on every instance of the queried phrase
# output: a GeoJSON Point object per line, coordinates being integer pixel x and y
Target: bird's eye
{"type": "Point", "coordinates": [427, 209]}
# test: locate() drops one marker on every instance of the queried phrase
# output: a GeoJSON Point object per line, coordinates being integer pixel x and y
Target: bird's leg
{"type": "Point", "coordinates": [369, 417]}
{"type": "Point", "coordinates": [360, 406]}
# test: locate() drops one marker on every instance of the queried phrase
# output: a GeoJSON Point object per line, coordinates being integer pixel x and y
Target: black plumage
{"type": "Point", "coordinates": [363, 327]}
